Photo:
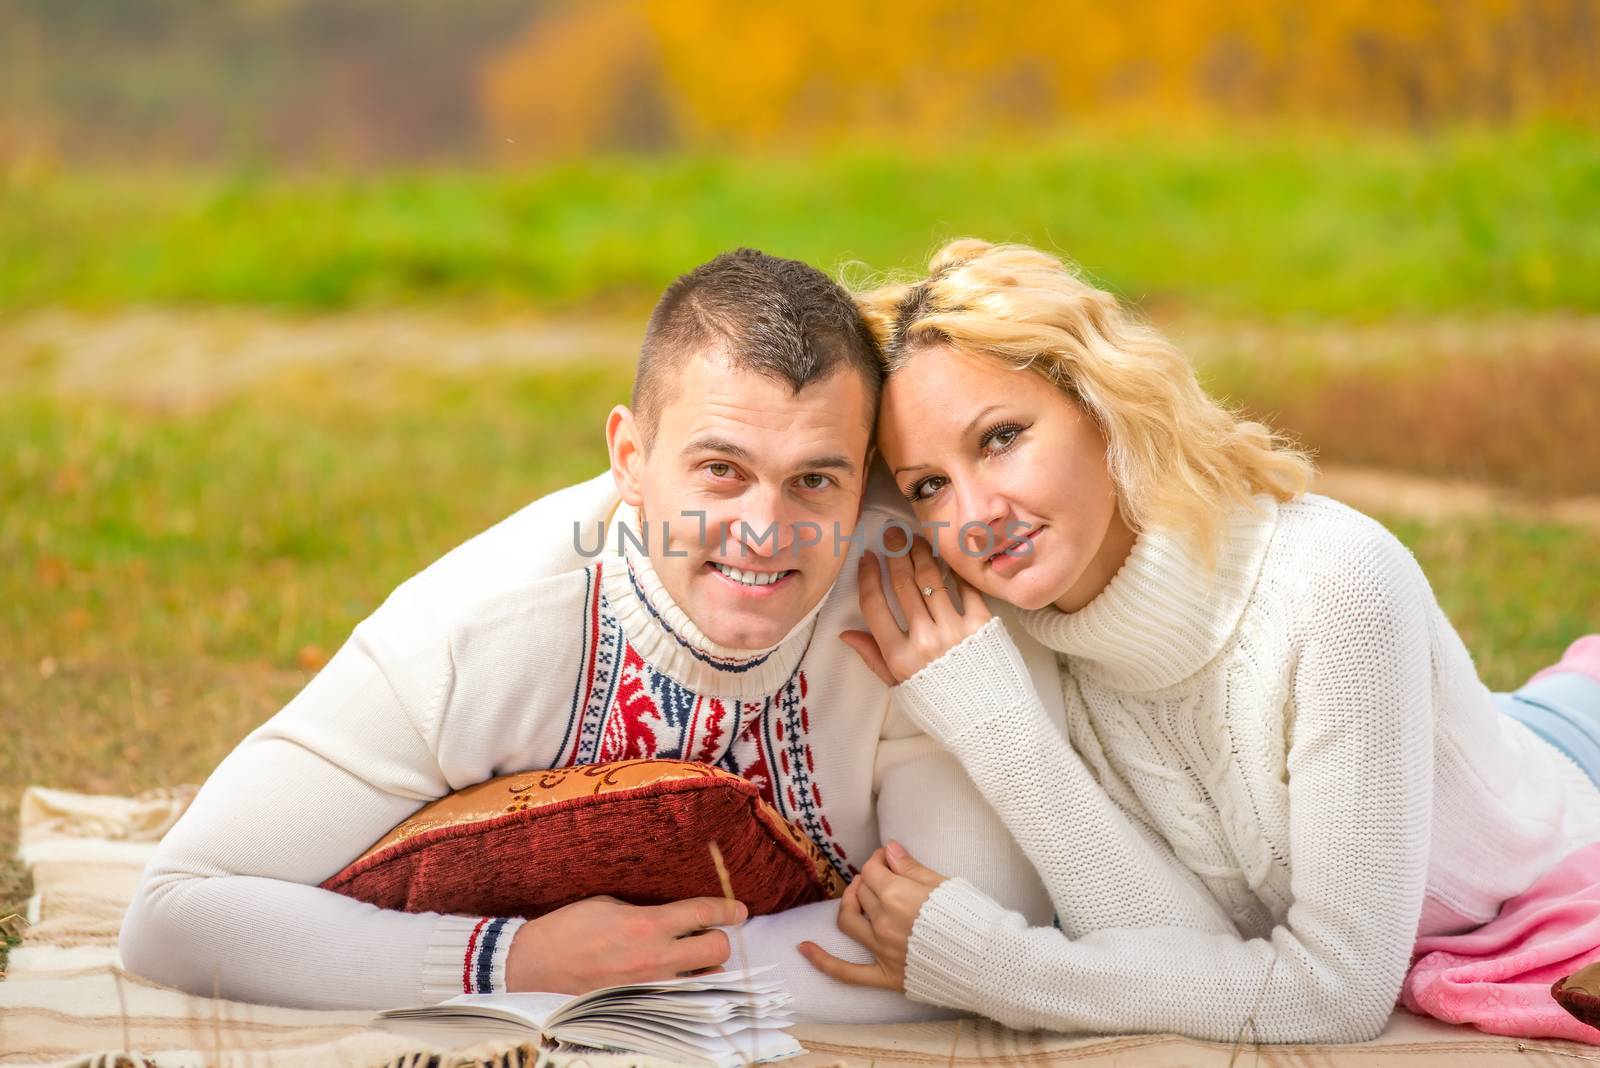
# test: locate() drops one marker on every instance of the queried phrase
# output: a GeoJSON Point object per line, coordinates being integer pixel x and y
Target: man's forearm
{"type": "Point", "coordinates": [274, 942]}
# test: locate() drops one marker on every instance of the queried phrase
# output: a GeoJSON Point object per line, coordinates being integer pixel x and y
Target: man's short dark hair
{"type": "Point", "coordinates": [776, 317]}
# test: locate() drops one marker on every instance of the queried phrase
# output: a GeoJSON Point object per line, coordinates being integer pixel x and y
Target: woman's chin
{"type": "Point", "coordinates": [1025, 591]}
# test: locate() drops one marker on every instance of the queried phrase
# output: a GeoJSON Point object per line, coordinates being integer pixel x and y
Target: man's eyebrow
{"type": "Point", "coordinates": [834, 462]}
{"type": "Point", "coordinates": [964, 432]}
{"type": "Point", "coordinates": [722, 445]}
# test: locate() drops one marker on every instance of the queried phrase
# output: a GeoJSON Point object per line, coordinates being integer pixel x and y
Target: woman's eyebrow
{"type": "Point", "coordinates": [977, 419]}
{"type": "Point", "coordinates": [964, 432]}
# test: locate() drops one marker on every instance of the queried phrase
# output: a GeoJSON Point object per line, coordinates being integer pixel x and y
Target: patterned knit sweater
{"type": "Point", "coordinates": [516, 651]}
{"type": "Point", "coordinates": [1312, 773]}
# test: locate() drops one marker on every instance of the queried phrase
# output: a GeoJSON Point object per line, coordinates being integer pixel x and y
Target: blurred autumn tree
{"type": "Point", "coordinates": [382, 82]}
{"type": "Point", "coordinates": [751, 73]}
{"type": "Point", "coordinates": [247, 81]}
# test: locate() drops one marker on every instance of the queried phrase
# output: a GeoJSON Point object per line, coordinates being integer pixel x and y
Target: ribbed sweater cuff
{"type": "Point", "coordinates": [467, 955]}
{"type": "Point", "coordinates": [975, 680]}
{"type": "Point", "coordinates": [949, 943]}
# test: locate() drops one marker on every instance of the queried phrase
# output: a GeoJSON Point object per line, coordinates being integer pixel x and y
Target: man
{"type": "Point", "coordinates": [706, 628]}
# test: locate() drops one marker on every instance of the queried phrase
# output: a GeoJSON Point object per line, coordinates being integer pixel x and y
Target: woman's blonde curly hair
{"type": "Point", "coordinates": [1179, 460]}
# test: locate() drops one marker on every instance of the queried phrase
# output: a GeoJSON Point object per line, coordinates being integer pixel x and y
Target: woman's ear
{"type": "Point", "coordinates": [627, 453]}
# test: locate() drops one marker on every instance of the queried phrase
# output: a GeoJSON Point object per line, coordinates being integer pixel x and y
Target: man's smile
{"type": "Point", "coordinates": [753, 583]}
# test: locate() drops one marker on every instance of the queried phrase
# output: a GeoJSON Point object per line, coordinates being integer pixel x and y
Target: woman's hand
{"type": "Point", "coordinates": [934, 624]}
{"type": "Point", "coordinates": [878, 910]}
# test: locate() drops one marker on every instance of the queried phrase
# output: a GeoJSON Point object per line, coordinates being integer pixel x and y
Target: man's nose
{"type": "Point", "coordinates": [763, 532]}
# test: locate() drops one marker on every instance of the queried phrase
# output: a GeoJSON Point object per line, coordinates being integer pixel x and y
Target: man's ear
{"type": "Point", "coordinates": [626, 446]}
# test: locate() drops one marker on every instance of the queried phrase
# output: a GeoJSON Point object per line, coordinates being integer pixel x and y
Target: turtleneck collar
{"type": "Point", "coordinates": [1164, 615]}
{"type": "Point", "coordinates": [665, 636]}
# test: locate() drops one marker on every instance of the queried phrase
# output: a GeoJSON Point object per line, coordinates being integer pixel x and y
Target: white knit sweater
{"type": "Point", "coordinates": [1312, 772]}
{"type": "Point", "coordinates": [515, 651]}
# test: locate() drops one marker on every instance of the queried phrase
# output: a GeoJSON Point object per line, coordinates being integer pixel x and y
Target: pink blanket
{"type": "Point", "coordinates": [1497, 978]}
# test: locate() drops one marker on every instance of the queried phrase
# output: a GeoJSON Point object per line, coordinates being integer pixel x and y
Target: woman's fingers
{"type": "Point", "coordinates": [925, 571]}
{"type": "Point", "coordinates": [974, 609]}
{"type": "Point", "coordinates": [854, 923]}
{"type": "Point", "coordinates": [848, 902]}
{"type": "Point", "coordinates": [876, 872]}
{"type": "Point", "coordinates": [871, 907]}
{"type": "Point", "coordinates": [903, 864]}
{"type": "Point", "coordinates": [903, 580]}
{"type": "Point", "coordinates": [875, 602]}
{"type": "Point", "coordinates": [866, 647]}
{"type": "Point", "coordinates": [843, 970]}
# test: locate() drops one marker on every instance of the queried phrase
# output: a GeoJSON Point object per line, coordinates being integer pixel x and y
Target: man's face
{"type": "Point", "coordinates": [776, 476]}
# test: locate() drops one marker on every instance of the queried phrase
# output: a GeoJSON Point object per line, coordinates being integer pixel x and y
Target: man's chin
{"type": "Point", "coordinates": [739, 624]}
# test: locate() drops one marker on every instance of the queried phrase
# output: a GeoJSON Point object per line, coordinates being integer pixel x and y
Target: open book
{"type": "Point", "coordinates": [726, 1019]}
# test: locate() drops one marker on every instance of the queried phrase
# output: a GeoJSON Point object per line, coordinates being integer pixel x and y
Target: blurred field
{"type": "Point", "coordinates": [1275, 223]}
{"type": "Point", "coordinates": [1513, 402]}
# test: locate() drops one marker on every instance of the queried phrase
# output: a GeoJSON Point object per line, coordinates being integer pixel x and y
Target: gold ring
{"type": "Point", "coordinates": [927, 591]}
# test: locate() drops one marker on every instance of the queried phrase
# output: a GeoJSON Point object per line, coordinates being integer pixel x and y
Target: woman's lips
{"type": "Point", "coordinates": [1006, 559]}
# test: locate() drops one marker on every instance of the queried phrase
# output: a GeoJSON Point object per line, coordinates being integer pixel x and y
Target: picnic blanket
{"type": "Point", "coordinates": [67, 1001]}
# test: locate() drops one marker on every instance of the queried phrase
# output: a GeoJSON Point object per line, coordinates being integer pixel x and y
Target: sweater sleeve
{"type": "Point", "coordinates": [1101, 867]}
{"type": "Point", "coordinates": [1360, 780]}
{"type": "Point", "coordinates": [230, 903]}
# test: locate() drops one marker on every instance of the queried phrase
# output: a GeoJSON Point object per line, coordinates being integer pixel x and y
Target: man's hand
{"type": "Point", "coordinates": [601, 941]}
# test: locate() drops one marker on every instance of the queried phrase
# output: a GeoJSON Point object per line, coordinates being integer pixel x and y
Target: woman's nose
{"type": "Point", "coordinates": [982, 514]}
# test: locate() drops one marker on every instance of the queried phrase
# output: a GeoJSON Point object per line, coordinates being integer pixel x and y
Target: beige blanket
{"type": "Point", "coordinates": [66, 1000]}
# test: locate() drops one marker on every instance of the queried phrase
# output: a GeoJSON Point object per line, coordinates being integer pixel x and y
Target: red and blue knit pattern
{"type": "Point", "coordinates": [477, 969]}
{"type": "Point", "coordinates": [623, 708]}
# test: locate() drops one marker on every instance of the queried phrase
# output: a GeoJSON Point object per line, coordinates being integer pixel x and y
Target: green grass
{"type": "Point", "coordinates": [1263, 224]}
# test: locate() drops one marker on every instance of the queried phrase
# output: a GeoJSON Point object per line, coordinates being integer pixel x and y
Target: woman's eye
{"type": "Point", "coordinates": [922, 489]}
{"type": "Point", "coordinates": [1002, 437]}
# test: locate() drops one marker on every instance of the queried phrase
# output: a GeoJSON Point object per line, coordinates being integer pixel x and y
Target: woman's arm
{"type": "Point", "coordinates": [1360, 767]}
{"type": "Point", "coordinates": [970, 689]}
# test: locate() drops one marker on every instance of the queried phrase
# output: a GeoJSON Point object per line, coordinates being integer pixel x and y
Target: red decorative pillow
{"type": "Point", "coordinates": [638, 830]}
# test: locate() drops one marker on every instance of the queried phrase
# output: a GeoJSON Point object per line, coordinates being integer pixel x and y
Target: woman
{"type": "Point", "coordinates": [1307, 771]}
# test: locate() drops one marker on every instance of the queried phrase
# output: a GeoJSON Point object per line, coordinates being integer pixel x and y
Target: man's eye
{"type": "Point", "coordinates": [814, 482]}
{"type": "Point", "coordinates": [719, 470]}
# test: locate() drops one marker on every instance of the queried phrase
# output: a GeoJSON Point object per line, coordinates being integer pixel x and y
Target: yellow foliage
{"type": "Point", "coordinates": [580, 77]}
{"type": "Point", "coordinates": [758, 72]}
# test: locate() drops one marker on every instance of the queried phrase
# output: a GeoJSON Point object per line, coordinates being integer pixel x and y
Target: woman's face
{"type": "Point", "coordinates": [1007, 475]}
